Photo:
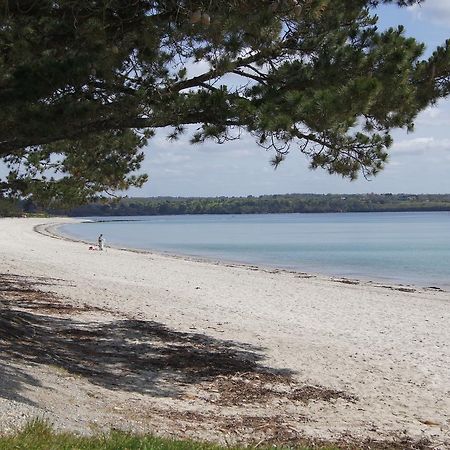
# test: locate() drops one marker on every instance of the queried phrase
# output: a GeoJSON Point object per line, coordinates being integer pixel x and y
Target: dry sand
{"type": "Point", "coordinates": [163, 344]}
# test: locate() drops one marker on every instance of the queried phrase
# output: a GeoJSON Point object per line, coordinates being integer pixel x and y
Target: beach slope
{"type": "Point", "coordinates": [179, 347]}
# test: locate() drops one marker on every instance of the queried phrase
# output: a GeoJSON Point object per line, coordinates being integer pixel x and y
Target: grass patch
{"type": "Point", "coordinates": [39, 435]}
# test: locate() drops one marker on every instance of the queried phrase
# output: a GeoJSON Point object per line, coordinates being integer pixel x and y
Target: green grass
{"type": "Point", "coordinates": [39, 435]}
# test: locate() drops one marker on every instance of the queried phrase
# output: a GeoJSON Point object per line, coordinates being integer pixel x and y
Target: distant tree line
{"type": "Point", "coordinates": [264, 204]}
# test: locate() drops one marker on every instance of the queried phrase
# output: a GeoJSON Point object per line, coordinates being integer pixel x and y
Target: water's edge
{"type": "Point", "coordinates": [53, 230]}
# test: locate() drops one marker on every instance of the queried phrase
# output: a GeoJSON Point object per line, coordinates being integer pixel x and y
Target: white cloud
{"type": "Point", "coordinates": [437, 11]}
{"type": "Point", "coordinates": [419, 142]}
{"type": "Point", "coordinates": [432, 113]}
{"type": "Point", "coordinates": [436, 116]}
{"type": "Point", "coordinates": [195, 69]}
{"type": "Point", "coordinates": [164, 158]}
{"type": "Point", "coordinates": [432, 146]}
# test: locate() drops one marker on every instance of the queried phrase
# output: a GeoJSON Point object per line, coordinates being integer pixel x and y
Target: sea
{"type": "Point", "coordinates": [411, 248]}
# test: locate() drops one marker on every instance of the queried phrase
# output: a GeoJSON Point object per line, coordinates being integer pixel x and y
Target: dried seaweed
{"type": "Point", "coordinates": [307, 393]}
{"type": "Point", "coordinates": [262, 387]}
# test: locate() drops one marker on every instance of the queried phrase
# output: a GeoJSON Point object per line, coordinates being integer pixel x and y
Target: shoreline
{"type": "Point", "coordinates": [182, 348]}
{"type": "Point", "coordinates": [52, 231]}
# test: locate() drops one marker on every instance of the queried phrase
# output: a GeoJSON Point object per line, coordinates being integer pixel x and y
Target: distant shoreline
{"type": "Point", "coordinates": [265, 204]}
{"type": "Point", "coordinates": [418, 210]}
{"type": "Point", "coordinates": [264, 213]}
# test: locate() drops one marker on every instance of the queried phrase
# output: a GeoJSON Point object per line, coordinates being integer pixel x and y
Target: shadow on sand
{"type": "Point", "coordinates": [130, 355]}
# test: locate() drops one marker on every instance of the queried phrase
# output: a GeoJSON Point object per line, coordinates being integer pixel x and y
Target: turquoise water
{"type": "Point", "coordinates": [410, 248]}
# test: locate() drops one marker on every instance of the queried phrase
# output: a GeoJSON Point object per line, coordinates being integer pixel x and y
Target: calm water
{"type": "Point", "coordinates": [397, 247]}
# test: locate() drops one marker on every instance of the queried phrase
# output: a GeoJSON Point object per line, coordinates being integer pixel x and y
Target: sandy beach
{"type": "Point", "coordinates": [178, 347]}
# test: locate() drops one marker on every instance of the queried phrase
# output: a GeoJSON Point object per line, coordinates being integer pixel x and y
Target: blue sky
{"type": "Point", "coordinates": [419, 161]}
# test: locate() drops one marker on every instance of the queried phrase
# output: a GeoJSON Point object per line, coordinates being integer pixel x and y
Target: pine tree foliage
{"type": "Point", "coordinates": [85, 83]}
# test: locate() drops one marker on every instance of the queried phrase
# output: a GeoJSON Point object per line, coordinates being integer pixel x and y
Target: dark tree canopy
{"type": "Point", "coordinates": [85, 83]}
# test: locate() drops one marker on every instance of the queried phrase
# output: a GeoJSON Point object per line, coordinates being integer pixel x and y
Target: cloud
{"type": "Point", "coordinates": [195, 69]}
{"type": "Point", "coordinates": [437, 11]}
{"type": "Point", "coordinates": [420, 146]}
{"type": "Point", "coordinates": [436, 116]}
{"type": "Point", "coordinates": [169, 158]}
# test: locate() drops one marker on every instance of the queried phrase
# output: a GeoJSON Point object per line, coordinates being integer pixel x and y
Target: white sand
{"type": "Point", "coordinates": [387, 348]}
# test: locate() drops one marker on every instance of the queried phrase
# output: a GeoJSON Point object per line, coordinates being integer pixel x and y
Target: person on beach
{"type": "Point", "coordinates": [101, 242]}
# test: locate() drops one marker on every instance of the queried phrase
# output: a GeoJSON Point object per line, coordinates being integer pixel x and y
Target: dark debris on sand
{"type": "Point", "coordinates": [263, 386]}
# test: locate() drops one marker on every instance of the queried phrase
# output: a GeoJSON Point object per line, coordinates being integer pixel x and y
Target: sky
{"type": "Point", "coordinates": [419, 162]}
